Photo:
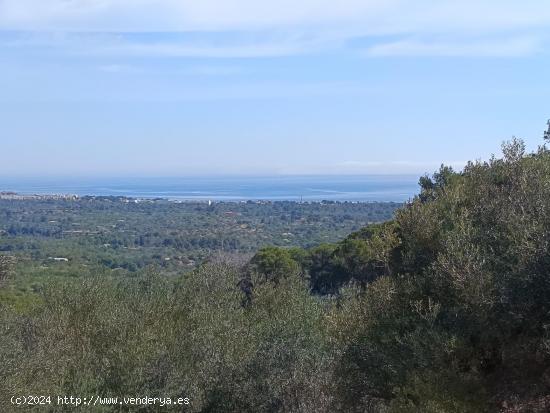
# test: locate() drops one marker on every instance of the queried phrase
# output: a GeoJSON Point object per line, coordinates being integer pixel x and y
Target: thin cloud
{"type": "Point", "coordinates": [176, 15]}
{"type": "Point", "coordinates": [284, 27]}
{"type": "Point", "coordinates": [397, 16]}
{"type": "Point", "coordinates": [163, 49]}
{"type": "Point", "coordinates": [167, 45]}
{"type": "Point", "coordinates": [212, 70]}
{"type": "Point", "coordinates": [512, 47]}
{"type": "Point", "coordinates": [192, 70]}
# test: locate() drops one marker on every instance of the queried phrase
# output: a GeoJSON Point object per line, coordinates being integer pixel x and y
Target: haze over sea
{"type": "Point", "coordinates": [365, 188]}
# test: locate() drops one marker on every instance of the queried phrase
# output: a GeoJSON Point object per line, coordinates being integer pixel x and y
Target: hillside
{"type": "Point", "coordinates": [445, 308]}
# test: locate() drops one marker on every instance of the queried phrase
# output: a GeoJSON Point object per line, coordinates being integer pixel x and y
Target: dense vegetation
{"type": "Point", "coordinates": [445, 308]}
{"type": "Point", "coordinates": [120, 233]}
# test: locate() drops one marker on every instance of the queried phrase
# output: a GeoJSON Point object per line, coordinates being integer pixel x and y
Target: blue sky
{"type": "Point", "coordinates": [181, 87]}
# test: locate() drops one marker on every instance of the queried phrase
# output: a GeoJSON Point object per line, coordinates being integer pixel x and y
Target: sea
{"type": "Point", "coordinates": [364, 188]}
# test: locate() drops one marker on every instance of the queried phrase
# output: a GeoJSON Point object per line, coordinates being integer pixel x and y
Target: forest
{"type": "Point", "coordinates": [126, 235]}
{"type": "Point", "coordinates": [440, 305]}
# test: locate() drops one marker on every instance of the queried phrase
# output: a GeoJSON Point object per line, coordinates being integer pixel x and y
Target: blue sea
{"type": "Point", "coordinates": [394, 188]}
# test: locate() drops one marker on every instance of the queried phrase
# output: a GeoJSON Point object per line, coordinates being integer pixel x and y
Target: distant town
{"type": "Point", "coordinates": [14, 196]}
{"type": "Point", "coordinates": [8, 195]}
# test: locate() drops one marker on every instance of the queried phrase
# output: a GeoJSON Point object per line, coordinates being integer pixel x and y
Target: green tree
{"type": "Point", "coordinates": [274, 263]}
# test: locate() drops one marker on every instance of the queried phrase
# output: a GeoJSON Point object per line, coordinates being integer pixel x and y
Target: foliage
{"type": "Point", "coordinates": [6, 265]}
{"type": "Point", "coordinates": [446, 308]}
{"type": "Point", "coordinates": [451, 304]}
{"type": "Point", "coordinates": [127, 236]}
{"type": "Point", "coordinates": [188, 337]}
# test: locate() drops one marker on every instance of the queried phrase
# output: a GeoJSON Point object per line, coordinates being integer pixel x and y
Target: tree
{"type": "Point", "coordinates": [274, 263]}
{"type": "Point", "coordinates": [6, 264]}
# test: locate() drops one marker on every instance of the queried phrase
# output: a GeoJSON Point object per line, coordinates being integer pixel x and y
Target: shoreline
{"type": "Point", "coordinates": [16, 196]}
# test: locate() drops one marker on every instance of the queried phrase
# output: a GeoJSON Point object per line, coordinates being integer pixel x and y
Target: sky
{"type": "Point", "coordinates": [243, 87]}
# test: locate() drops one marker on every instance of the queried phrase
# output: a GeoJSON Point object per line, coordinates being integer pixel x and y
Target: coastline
{"type": "Point", "coordinates": [15, 196]}
{"type": "Point", "coordinates": [372, 188]}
